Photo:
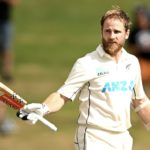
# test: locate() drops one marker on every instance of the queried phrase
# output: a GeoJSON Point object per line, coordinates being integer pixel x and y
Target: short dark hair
{"type": "Point", "coordinates": [116, 12]}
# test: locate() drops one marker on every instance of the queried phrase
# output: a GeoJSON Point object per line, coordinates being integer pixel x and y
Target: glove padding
{"type": "Point", "coordinates": [29, 112]}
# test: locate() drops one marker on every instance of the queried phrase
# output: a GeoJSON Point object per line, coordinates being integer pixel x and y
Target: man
{"type": "Point", "coordinates": [109, 81]}
{"type": "Point", "coordinates": [139, 40]}
{"type": "Point", "coordinates": [6, 7]}
{"type": "Point", "coordinates": [6, 58]}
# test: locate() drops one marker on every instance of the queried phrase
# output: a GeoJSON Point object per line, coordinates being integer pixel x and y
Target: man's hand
{"type": "Point", "coordinates": [28, 112]}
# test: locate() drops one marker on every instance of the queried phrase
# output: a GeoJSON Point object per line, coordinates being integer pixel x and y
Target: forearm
{"type": "Point", "coordinates": [142, 108]}
{"type": "Point", "coordinates": [144, 114]}
{"type": "Point", "coordinates": [55, 102]}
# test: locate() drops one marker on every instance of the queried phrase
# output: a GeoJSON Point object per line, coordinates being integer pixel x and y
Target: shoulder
{"type": "Point", "coordinates": [132, 58]}
{"type": "Point", "coordinates": [88, 58]}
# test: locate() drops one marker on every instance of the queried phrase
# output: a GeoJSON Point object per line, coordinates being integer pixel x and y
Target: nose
{"type": "Point", "coordinates": [112, 35]}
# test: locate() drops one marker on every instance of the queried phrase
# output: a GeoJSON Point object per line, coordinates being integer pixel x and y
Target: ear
{"type": "Point", "coordinates": [127, 34]}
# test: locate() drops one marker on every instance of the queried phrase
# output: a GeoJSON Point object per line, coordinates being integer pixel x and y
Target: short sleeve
{"type": "Point", "coordinates": [78, 76]}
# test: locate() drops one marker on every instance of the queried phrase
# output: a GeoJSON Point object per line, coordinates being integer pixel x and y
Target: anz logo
{"type": "Point", "coordinates": [115, 86]}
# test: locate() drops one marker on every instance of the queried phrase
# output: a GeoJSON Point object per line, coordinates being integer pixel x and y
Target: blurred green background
{"type": "Point", "coordinates": [49, 36]}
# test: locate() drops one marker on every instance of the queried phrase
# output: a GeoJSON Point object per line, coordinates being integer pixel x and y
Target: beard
{"type": "Point", "coordinates": [111, 47]}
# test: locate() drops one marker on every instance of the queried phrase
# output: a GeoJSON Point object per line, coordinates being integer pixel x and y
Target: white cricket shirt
{"type": "Point", "coordinates": [106, 89]}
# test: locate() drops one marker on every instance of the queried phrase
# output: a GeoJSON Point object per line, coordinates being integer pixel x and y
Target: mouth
{"type": "Point", "coordinates": [112, 42]}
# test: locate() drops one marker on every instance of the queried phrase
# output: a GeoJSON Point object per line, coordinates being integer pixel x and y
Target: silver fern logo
{"type": "Point", "coordinates": [128, 66]}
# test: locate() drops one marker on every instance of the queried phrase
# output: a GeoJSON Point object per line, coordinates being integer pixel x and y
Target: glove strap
{"type": "Point", "coordinates": [45, 109]}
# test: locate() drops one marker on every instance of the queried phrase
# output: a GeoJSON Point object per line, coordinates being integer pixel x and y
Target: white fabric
{"type": "Point", "coordinates": [95, 139]}
{"type": "Point", "coordinates": [41, 109]}
{"type": "Point", "coordinates": [31, 110]}
{"type": "Point", "coordinates": [106, 89]}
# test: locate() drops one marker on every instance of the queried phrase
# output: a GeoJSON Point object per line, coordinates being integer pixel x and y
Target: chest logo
{"type": "Point", "coordinates": [118, 86]}
{"type": "Point", "coordinates": [128, 66]}
{"type": "Point", "coordinates": [101, 71]}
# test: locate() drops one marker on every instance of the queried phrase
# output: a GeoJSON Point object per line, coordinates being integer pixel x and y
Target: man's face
{"type": "Point", "coordinates": [113, 35]}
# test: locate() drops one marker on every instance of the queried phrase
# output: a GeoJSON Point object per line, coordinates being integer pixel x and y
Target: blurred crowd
{"type": "Point", "coordinates": [7, 125]}
{"type": "Point", "coordinates": [139, 39]}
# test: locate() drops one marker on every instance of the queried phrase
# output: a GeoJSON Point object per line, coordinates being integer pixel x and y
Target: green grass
{"type": "Point", "coordinates": [49, 36]}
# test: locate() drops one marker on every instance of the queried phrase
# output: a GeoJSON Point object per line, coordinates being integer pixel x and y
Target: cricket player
{"type": "Point", "coordinates": [108, 81]}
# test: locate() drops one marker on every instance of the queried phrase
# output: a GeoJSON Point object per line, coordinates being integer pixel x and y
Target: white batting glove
{"type": "Point", "coordinates": [29, 112]}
